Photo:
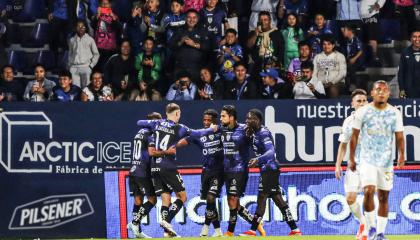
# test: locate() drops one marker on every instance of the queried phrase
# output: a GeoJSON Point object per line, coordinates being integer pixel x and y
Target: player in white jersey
{"type": "Point", "coordinates": [352, 184]}
{"type": "Point", "coordinates": [377, 123]}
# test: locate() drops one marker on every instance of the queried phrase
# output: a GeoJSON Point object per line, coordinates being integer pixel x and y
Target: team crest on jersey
{"type": "Point", "coordinates": [228, 137]}
{"type": "Point", "coordinates": [233, 181]}
{"type": "Point", "coordinates": [210, 20]}
{"type": "Point", "coordinates": [211, 137]}
{"type": "Point", "coordinates": [203, 139]}
{"type": "Point", "coordinates": [222, 138]}
{"type": "Point", "coordinates": [133, 168]}
{"type": "Point", "coordinates": [418, 58]}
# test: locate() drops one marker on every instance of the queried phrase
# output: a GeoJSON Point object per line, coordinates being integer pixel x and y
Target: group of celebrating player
{"type": "Point", "coordinates": [226, 160]}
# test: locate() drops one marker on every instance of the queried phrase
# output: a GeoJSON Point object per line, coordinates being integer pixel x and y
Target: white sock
{"type": "Point", "coordinates": [370, 220]}
{"type": "Point", "coordinates": [357, 212]}
{"type": "Point", "coordinates": [382, 221]}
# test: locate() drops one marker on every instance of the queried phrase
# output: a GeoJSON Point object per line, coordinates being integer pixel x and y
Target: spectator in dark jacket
{"type": "Point", "coordinates": [409, 69]}
{"type": "Point", "coordinates": [190, 45]}
{"type": "Point", "coordinates": [10, 88]}
{"type": "Point", "coordinates": [208, 87]}
{"type": "Point", "coordinates": [274, 86]}
{"type": "Point", "coordinates": [241, 87]}
{"type": "Point", "coordinates": [66, 91]}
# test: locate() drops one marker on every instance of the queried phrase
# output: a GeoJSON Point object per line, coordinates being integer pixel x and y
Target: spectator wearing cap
{"type": "Point", "coordinates": [330, 68]}
{"type": "Point", "coordinates": [11, 90]}
{"type": "Point", "coordinates": [182, 89]}
{"type": "Point", "coordinates": [274, 86]}
{"type": "Point", "coordinates": [39, 89]}
{"type": "Point", "coordinates": [230, 53]}
{"type": "Point", "coordinates": [409, 68]}
{"type": "Point", "coordinates": [66, 91]}
{"type": "Point", "coordinates": [353, 51]}
{"type": "Point", "coordinates": [242, 87]}
{"type": "Point", "coordinates": [308, 87]}
{"type": "Point", "coordinates": [190, 46]}
{"type": "Point", "coordinates": [83, 55]}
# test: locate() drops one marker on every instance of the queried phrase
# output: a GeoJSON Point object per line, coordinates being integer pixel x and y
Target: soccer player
{"type": "Point", "coordinates": [352, 184]}
{"type": "Point", "coordinates": [140, 182]}
{"type": "Point", "coordinates": [377, 123]}
{"type": "Point", "coordinates": [165, 176]}
{"type": "Point", "coordinates": [212, 175]}
{"type": "Point", "coordinates": [269, 186]}
{"type": "Point", "coordinates": [236, 146]}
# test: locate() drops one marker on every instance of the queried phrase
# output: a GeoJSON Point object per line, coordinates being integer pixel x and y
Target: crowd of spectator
{"type": "Point", "coordinates": [215, 49]}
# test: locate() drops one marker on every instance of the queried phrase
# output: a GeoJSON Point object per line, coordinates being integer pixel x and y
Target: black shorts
{"type": "Point", "coordinates": [141, 186]}
{"type": "Point", "coordinates": [167, 180]}
{"type": "Point", "coordinates": [371, 27]}
{"type": "Point", "coordinates": [235, 183]}
{"type": "Point", "coordinates": [269, 182]}
{"type": "Point", "coordinates": [211, 183]}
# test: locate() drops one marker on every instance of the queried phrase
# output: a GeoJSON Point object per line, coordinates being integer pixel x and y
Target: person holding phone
{"type": "Point", "coordinates": [308, 87]}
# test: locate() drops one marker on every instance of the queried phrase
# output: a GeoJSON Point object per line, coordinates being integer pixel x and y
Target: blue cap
{"type": "Point", "coordinates": [271, 72]}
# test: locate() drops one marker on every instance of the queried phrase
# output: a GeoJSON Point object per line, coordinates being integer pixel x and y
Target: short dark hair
{"type": "Point", "coordinates": [266, 13]}
{"type": "Point", "coordinates": [304, 43]}
{"type": "Point", "coordinates": [125, 40]}
{"type": "Point", "coordinates": [149, 38]}
{"type": "Point", "coordinates": [257, 113]}
{"type": "Point", "coordinates": [328, 38]}
{"type": "Point", "coordinates": [350, 27]}
{"type": "Point", "coordinates": [307, 65]}
{"type": "Point", "coordinates": [154, 115]}
{"type": "Point", "coordinates": [381, 82]}
{"type": "Point", "coordinates": [94, 72]}
{"type": "Point", "coordinates": [230, 110]}
{"type": "Point", "coordinates": [39, 65]}
{"type": "Point", "coordinates": [183, 74]}
{"type": "Point", "coordinates": [240, 64]}
{"type": "Point", "coordinates": [7, 66]}
{"type": "Point", "coordinates": [231, 30]}
{"type": "Point", "coordinates": [358, 91]}
{"type": "Point", "coordinates": [181, 2]}
{"type": "Point", "coordinates": [192, 10]}
{"type": "Point", "coordinates": [171, 107]}
{"type": "Point", "coordinates": [64, 73]}
{"type": "Point", "coordinates": [213, 113]}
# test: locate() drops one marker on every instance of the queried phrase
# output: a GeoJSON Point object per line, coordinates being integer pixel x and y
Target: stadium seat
{"type": "Point", "coordinates": [122, 8]}
{"type": "Point", "coordinates": [45, 58]}
{"type": "Point", "coordinates": [17, 60]}
{"type": "Point", "coordinates": [62, 61]}
{"type": "Point", "coordinates": [332, 24]}
{"type": "Point", "coordinates": [39, 36]}
{"type": "Point", "coordinates": [390, 30]}
{"type": "Point", "coordinates": [32, 9]}
{"type": "Point", "coordinates": [13, 34]}
{"type": "Point", "coordinates": [124, 31]}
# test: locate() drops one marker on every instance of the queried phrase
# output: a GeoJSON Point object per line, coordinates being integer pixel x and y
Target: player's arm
{"type": "Point", "coordinates": [269, 153]}
{"type": "Point", "coordinates": [146, 123]}
{"type": "Point", "coordinates": [153, 152]}
{"type": "Point", "coordinates": [185, 131]}
{"type": "Point", "coordinates": [182, 143]}
{"type": "Point", "coordinates": [353, 145]}
{"type": "Point", "coordinates": [399, 138]}
{"type": "Point", "coordinates": [340, 156]}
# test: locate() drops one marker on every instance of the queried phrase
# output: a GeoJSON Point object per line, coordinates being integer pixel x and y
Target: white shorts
{"type": "Point", "coordinates": [352, 181]}
{"type": "Point", "coordinates": [381, 178]}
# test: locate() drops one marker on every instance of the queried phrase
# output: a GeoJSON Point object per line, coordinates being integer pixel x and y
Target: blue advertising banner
{"type": "Point", "coordinates": [316, 200]}
{"type": "Point", "coordinates": [52, 155]}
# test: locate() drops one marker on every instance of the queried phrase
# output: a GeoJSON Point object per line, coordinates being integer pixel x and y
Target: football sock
{"type": "Point", "coordinates": [233, 217]}
{"type": "Point", "coordinates": [136, 217]}
{"type": "Point", "coordinates": [370, 220]}
{"type": "Point", "coordinates": [244, 213]}
{"type": "Point", "coordinates": [174, 209]}
{"type": "Point", "coordinates": [255, 222]}
{"type": "Point", "coordinates": [287, 215]}
{"type": "Point", "coordinates": [382, 222]}
{"type": "Point", "coordinates": [357, 212]}
{"type": "Point", "coordinates": [164, 212]}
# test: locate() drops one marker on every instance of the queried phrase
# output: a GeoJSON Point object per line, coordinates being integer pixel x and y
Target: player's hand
{"type": "Point", "coordinates": [338, 172]}
{"type": "Point", "coordinates": [253, 162]}
{"type": "Point", "coordinates": [352, 165]}
{"type": "Point", "coordinates": [401, 162]}
{"type": "Point", "coordinates": [171, 151]}
{"type": "Point", "coordinates": [215, 127]}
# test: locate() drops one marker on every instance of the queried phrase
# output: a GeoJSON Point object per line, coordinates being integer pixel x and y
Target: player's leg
{"type": "Point", "coordinates": [135, 189]}
{"type": "Point", "coordinates": [176, 182]}
{"type": "Point", "coordinates": [352, 186]}
{"type": "Point", "coordinates": [259, 213]}
{"type": "Point", "coordinates": [233, 202]}
{"type": "Point", "coordinates": [385, 184]}
{"type": "Point", "coordinates": [210, 190]}
{"type": "Point", "coordinates": [149, 191]}
{"type": "Point", "coordinates": [368, 176]}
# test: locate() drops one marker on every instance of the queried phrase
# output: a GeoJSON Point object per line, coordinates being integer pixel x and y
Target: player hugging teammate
{"type": "Point", "coordinates": [225, 159]}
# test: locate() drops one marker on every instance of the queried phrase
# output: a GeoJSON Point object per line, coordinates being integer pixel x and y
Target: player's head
{"type": "Point", "coordinates": [380, 92]}
{"type": "Point", "coordinates": [209, 117]}
{"type": "Point", "coordinates": [154, 116]}
{"type": "Point", "coordinates": [358, 98]}
{"type": "Point", "coordinates": [173, 112]}
{"type": "Point", "coordinates": [254, 119]}
{"type": "Point", "coordinates": [228, 115]}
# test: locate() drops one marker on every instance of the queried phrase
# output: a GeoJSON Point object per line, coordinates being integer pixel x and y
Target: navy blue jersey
{"type": "Point", "coordinates": [236, 147]}
{"type": "Point", "coordinates": [166, 134]}
{"type": "Point", "coordinates": [212, 150]}
{"type": "Point", "coordinates": [141, 159]}
{"type": "Point", "coordinates": [212, 21]}
{"type": "Point", "coordinates": [263, 145]}
{"type": "Point", "coordinates": [172, 23]}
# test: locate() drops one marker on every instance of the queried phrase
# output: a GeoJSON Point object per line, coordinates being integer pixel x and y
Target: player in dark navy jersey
{"type": "Point", "coordinates": [140, 182]}
{"type": "Point", "coordinates": [165, 176]}
{"type": "Point", "coordinates": [212, 175]}
{"type": "Point", "coordinates": [236, 146]}
{"type": "Point", "coordinates": [265, 159]}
